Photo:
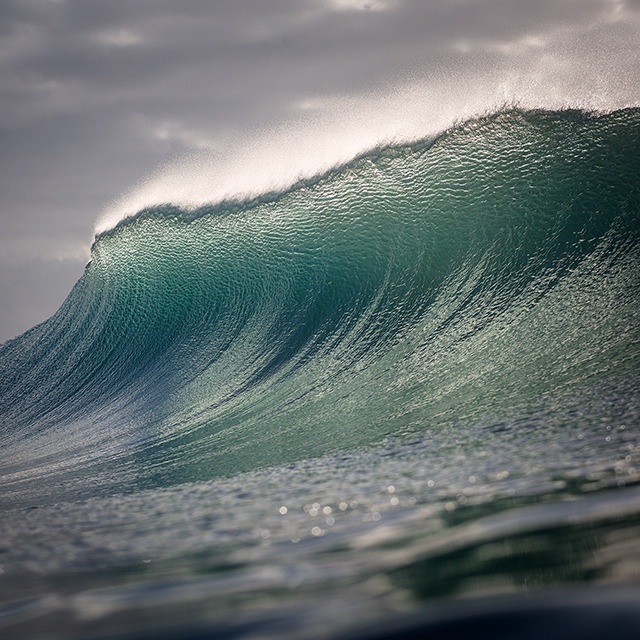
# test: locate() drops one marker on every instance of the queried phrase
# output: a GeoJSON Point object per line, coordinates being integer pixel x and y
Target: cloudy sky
{"type": "Point", "coordinates": [107, 105]}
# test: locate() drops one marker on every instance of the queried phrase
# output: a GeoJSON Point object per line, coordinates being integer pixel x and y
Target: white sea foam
{"type": "Point", "coordinates": [324, 131]}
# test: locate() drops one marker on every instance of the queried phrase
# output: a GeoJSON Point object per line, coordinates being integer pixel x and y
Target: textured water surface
{"type": "Point", "coordinates": [407, 384]}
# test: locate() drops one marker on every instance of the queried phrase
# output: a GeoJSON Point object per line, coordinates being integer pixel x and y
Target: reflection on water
{"type": "Point", "coordinates": [328, 547]}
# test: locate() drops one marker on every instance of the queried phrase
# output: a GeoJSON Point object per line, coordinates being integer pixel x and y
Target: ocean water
{"type": "Point", "coordinates": [398, 398]}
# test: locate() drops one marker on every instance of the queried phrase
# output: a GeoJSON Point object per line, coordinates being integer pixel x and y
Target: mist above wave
{"type": "Point", "coordinates": [323, 132]}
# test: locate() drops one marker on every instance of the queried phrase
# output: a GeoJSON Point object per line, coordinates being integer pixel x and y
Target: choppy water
{"type": "Point", "coordinates": [373, 400]}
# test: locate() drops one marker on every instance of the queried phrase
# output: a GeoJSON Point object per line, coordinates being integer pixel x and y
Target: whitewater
{"type": "Point", "coordinates": [399, 396]}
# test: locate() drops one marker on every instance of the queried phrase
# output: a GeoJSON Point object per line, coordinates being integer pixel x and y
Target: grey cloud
{"type": "Point", "coordinates": [22, 309]}
{"type": "Point", "coordinates": [213, 51]}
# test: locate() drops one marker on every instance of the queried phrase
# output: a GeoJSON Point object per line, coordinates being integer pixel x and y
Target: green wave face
{"type": "Point", "coordinates": [486, 278]}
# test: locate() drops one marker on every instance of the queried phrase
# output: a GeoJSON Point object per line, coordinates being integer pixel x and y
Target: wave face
{"type": "Point", "coordinates": [410, 380]}
{"type": "Point", "coordinates": [487, 277]}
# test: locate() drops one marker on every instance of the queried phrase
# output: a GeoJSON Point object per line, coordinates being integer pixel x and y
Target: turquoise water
{"type": "Point", "coordinates": [404, 384]}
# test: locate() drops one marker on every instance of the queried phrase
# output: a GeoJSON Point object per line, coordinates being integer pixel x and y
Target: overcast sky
{"type": "Point", "coordinates": [97, 95]}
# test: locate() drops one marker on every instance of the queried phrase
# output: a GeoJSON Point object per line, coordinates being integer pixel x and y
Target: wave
{"type": "Point", "coordinates": [486, 277]}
